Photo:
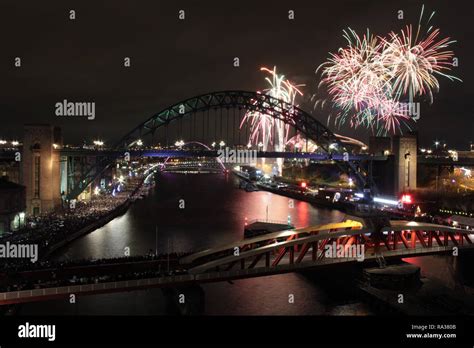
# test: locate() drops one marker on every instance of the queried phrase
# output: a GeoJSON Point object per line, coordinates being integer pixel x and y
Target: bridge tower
{"type": "Point", "coordinates": [40, 170]}
{"type": "Point", "coordinates": [405, 149]}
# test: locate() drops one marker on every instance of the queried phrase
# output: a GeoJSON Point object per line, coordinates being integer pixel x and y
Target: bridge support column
{"type": "Point", "coordinates": [405, 151]}
{"type": "Point", "coordinates": [41, 168]}
{"type": "Point", "coordinates": [187, 300]}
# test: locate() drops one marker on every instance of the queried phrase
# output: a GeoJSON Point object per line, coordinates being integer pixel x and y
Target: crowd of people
{"type": "Point", "coordinates": [47, 230]}
{"type": "Point", "coordinates": [15, 267]}
{"type": "Point", "coordinates": [165, 265]}
{"type": "Point", "coordinates": [50, 229]}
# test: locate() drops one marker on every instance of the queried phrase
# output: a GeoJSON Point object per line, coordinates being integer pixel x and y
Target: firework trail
{"type": "Point", "coordinates": [372, 79]}
{"type": "Point", "coordinates": [265, 128]}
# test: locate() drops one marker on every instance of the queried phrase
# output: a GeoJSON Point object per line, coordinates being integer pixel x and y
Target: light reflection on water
{"type": "Point", "coordinates": [215, 212]}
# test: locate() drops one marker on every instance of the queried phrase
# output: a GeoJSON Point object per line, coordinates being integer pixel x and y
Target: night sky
{"type": "Point", "coordinates": [171, 59]}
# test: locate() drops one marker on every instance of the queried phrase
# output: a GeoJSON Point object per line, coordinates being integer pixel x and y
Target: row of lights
{"type": "Point", "coordinates": [221, 143]}
{"type": "Point", "coordinates": [13, 142]}
{"type": "Point", "coordinates": [178, 143]}
{"type": "Point", "coordinates": [249, 145]}
{"type": "Point", "coordinates": [437, 143]}
{"type": "Point", "coordinates": [425, 150]}
{"type": "Point", "coordinates": [456, 212]}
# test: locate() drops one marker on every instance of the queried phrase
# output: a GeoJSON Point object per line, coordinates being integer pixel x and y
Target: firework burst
{"type": "Point", "coordinates": [265, 128]}
{"type": "Point", "coordinates": [371, 79]}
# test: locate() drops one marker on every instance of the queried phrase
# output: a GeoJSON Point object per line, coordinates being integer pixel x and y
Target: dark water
{"type": "Point", "coordinates": [214, 213]}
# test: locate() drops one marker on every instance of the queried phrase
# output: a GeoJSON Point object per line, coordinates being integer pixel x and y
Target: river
{"type": "Point", "coordinates": [214, 213]}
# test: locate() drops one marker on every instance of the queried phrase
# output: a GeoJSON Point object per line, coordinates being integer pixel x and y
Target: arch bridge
{"type": "Point", "coordinates": [299, 120]}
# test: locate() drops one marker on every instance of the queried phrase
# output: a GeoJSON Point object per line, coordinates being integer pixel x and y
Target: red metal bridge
{"type": "Point", "coordinates": [374, 239]}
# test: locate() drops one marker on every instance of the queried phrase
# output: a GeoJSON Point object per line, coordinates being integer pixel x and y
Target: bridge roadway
{"type": "Point", "coordinates": [164, 153]}
{"type": "Point", "coordinates": [9, 155]}
{"type": "Point", "coordinates": [275, 253]}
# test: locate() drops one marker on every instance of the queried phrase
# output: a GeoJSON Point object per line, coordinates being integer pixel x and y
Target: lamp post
{"type": "Point", "coordinates": [407, 160]}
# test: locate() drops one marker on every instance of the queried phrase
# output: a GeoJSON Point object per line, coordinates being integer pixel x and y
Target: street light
{"type": "Point", "coordinates": [98, 143]}
{"type": "Point", "coordinates": [3, 142]}
{"type": "Point", "coordinates": [221, 144]}
{"type": "Point", "coordinates": [139, 142]}
{"type": "Point", "coordinates": [407, 161]}
{"type": "Point", "coordinates": [249, 146]}
{"type": "Point", "coordinates": [213, 144]}
{"type": "Point", "coordinates": [260, 145]}
{"type": "Point", "coordinates": [15, 143]}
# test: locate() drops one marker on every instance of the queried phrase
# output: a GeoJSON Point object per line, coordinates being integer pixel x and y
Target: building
{"type": "Point", "coordinates": [12, 206]}
{"type": "Point", "coordinates": [40, 172]}
{"type": "Point", "coordinates": [10, 170]}
{"type": "Point", "coordinates": [380, 146]}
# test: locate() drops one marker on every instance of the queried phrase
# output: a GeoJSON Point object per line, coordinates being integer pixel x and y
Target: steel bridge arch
{"type": "Point", "coordinates": [290, 114]}
{"type": "Point", "coordinates": [252, 101]}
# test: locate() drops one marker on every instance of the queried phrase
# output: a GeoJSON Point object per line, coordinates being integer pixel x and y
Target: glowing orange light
{"type": "Point", "coordinates": [303, 184]}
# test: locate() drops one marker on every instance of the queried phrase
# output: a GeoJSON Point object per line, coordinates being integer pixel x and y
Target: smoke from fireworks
{"type": "Point", "coordinates": [373, 81]}
{"type": "Point", "coordinates": [265, 128]}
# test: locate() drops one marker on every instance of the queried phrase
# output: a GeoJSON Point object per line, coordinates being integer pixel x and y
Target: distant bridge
{"type": "Point", "coordinates": [176, 153]}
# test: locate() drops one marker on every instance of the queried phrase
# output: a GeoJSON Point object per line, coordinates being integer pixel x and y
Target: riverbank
{"type": "Point", "coordinates": [51, 232]}
{"type": "Point", "coordinates": [138, 193]}
{"type": "Point", "coordinates": [120, 210]}
{"type": "Point", "coordinates": [317, 201]}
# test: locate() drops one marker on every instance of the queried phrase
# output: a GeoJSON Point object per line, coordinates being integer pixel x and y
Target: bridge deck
{"type": "Point", "coordinates": [208, 277]}
{"type": "Point", "coordinates": [348, 224]}
{"type": "Point", "coordinates": [415, 239]}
